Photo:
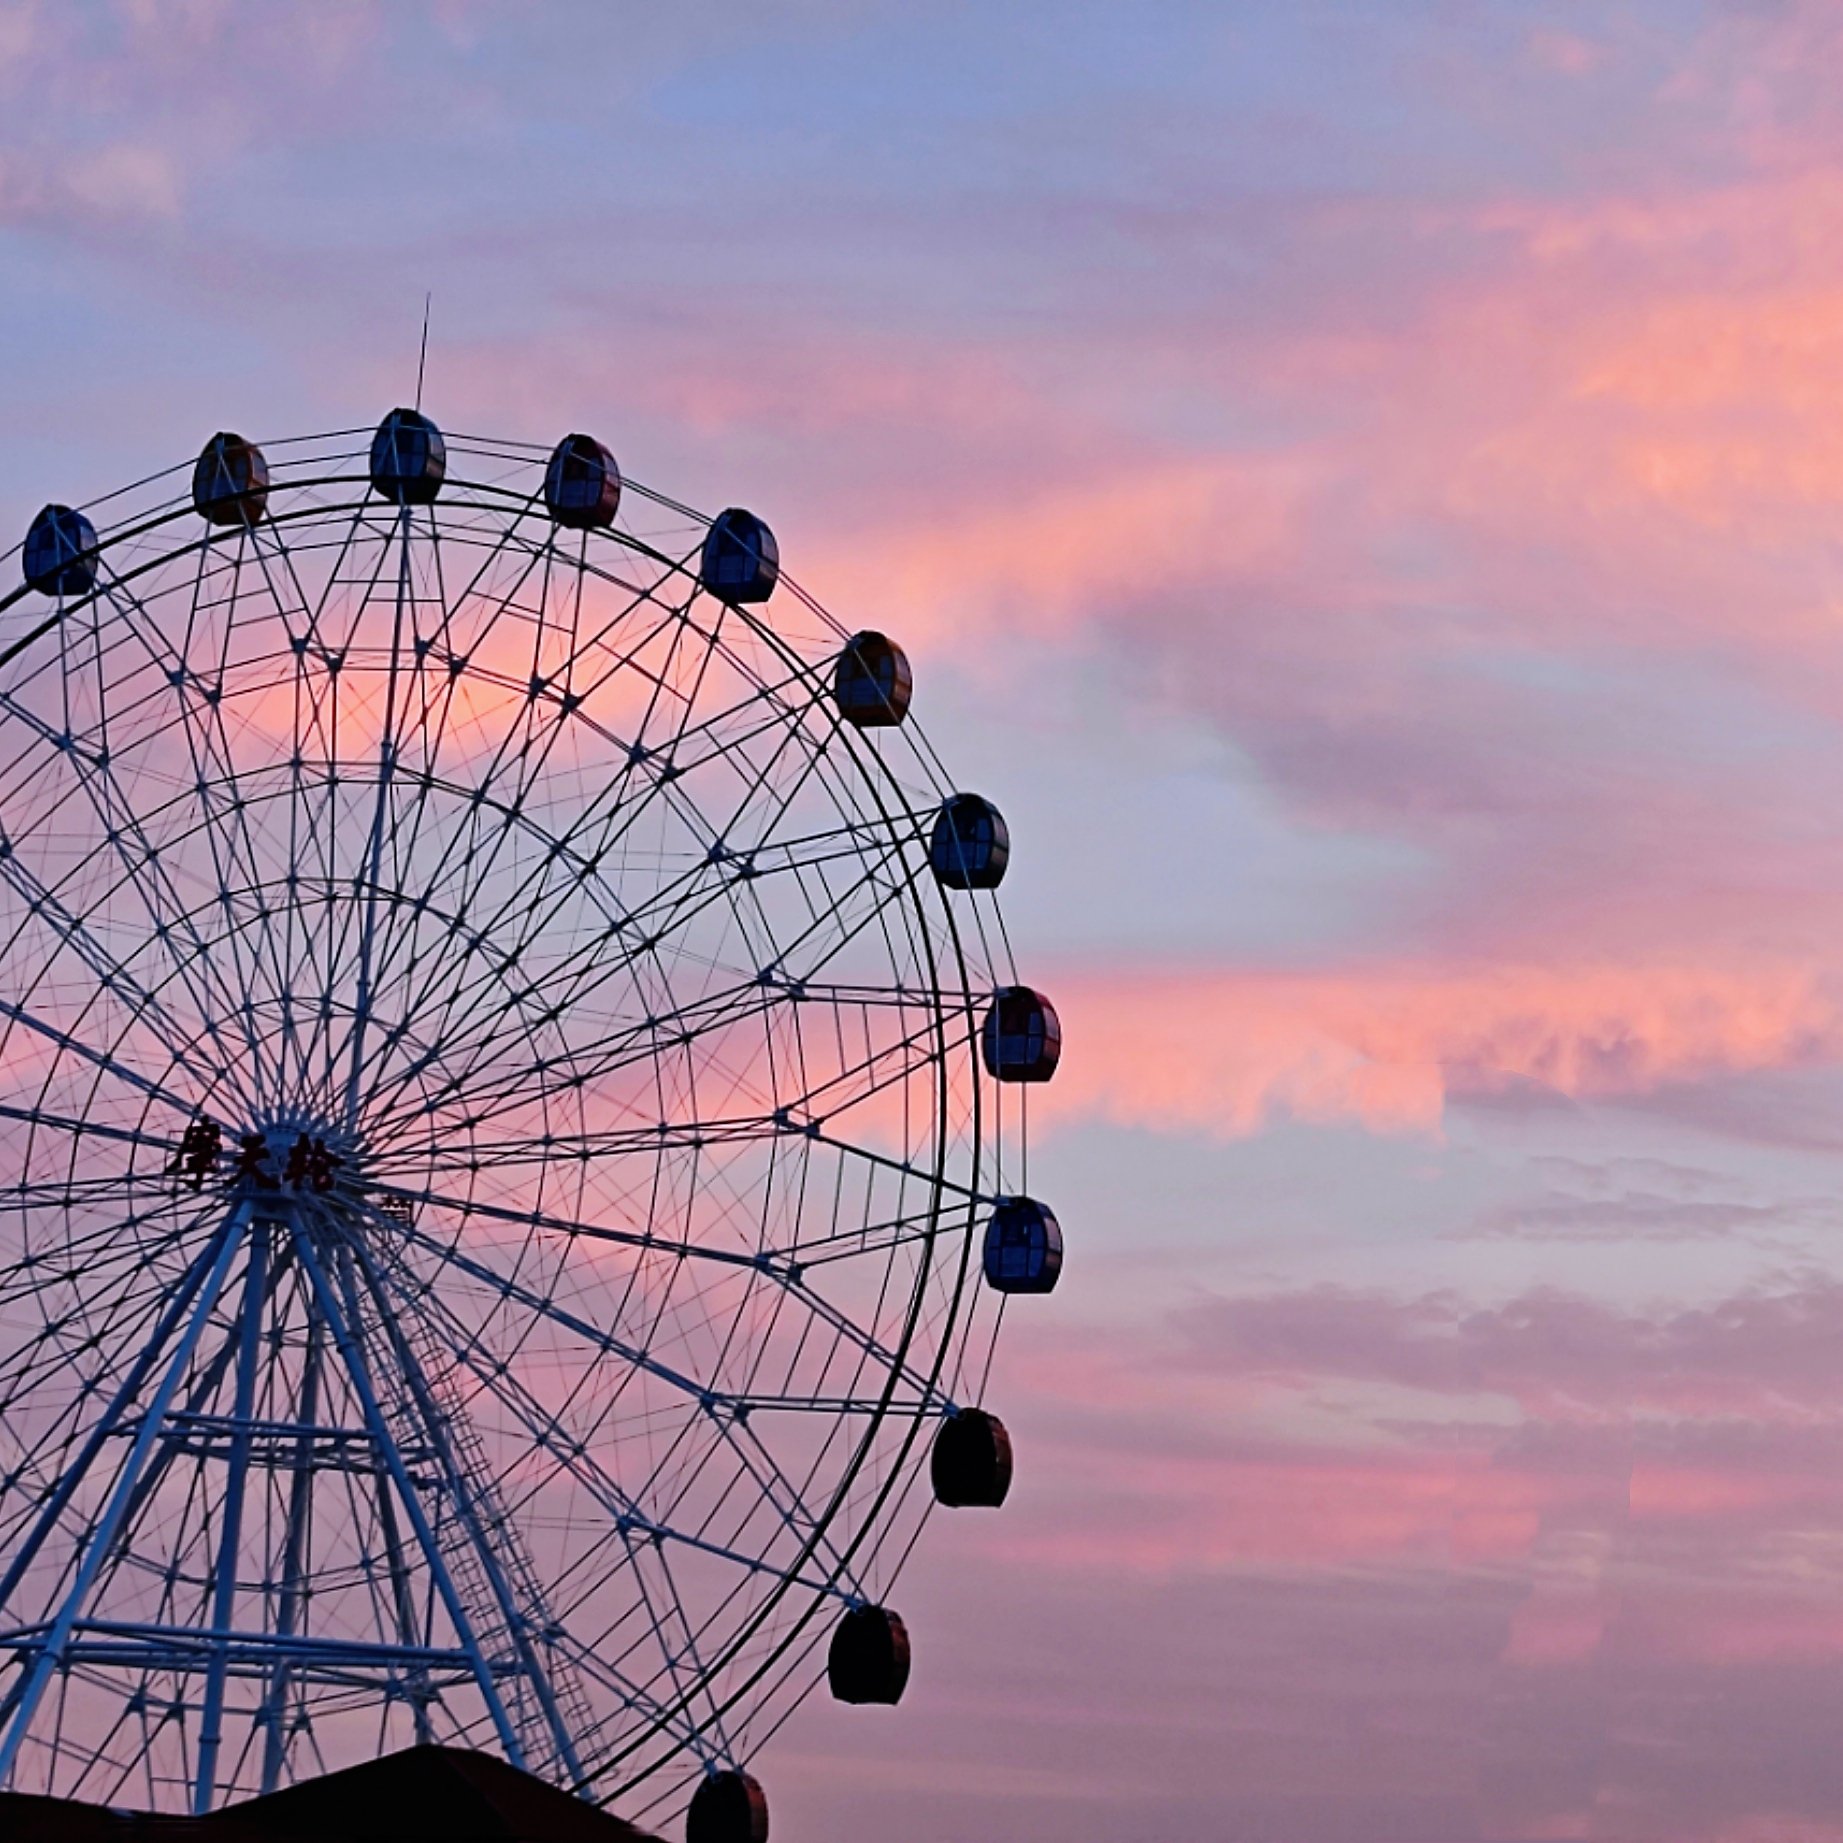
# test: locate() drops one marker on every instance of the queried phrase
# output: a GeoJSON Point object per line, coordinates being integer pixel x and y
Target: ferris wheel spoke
{"type": "Point", "coordinates": [595, 1062]}
{"type": "Point", "coordinates": [458, 1010]}
{"type": "Point", "coordinates": [770, 715]}
{"type": "Point", "coordinates": [558, 1314]}
{"type": "Point", "coordinates": [907, 1168]}
{"type": "Point", "coordinates": [926, 1398]}
{"type": "Point", "coordinates": [685, 899]}
{"type": "Point", "coordinates": [547, 1149]}
{"type": "Point", "coordinates": [480, 862]}
{"type": "Point", "coordinates": [672, 1136]}
{"type": "Point", "coordinates": [298, 614]}
{"type": "Point", "coordinates": [728, 1410]}
{"type": "Point", "coordinates": [339, 922]}
{"type": "Point", "coordinates": [321, 661]}
{"type": "Point", "coordinates": [122, 826]}
{"type": "Point", "coordinates": [518, 752]}
{"type": "Point", "coordinates": [71, 930]}
{"type": "Point", "coordinates": [681, 903]}
{"type": "Point", "coordinates": [786, 1272]}
{"type": "Point", "coordinates": [758, 992]}
{"type": "Point", "coordinates": [374, 850]}
{"type": "Point", "coordinates": [465, 1209]}
{"type": "Point", "coordinates": [612, 808]}
{"type": "Point", "coordinates": [74, 1127]}
{"type": "Point", "coordinates": [406, 836]}
{"type": "Point", "coordinates": [721, 1408]}
{"type": "Point", "coordinates": [101, 1059]}
{"type": "Point", "coordinates": [677, 1640]}
{"type": "Point", "coordinates": [220, 795]}
{"type": "Point", "coordinates": [200, 719]}
{"type": "Point", "coordinates": [807, 1528]}
{"type": "Point", "coordinates": [830, 932]}
{"type": "Point", "coordinates": [80, 1258]}
{"type": "Point", "coordinates": [869, 1238]}
{"type": "Point", "coordinates": [655, 919]}
{"type": "Point", "coordinates": [35, 1198]}
{"type": "Point", "coordinates": [574, 1070]}
{"type": "Point", "coordinates": [628, 1520]}
{"type": "Point", "coordinates": [85, 1251]}
{"type": "Point", "coordinates": [880, 1068]}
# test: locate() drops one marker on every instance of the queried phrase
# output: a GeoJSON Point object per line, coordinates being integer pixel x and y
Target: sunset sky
{"type": "Point", "coordinates": [1362, 487]}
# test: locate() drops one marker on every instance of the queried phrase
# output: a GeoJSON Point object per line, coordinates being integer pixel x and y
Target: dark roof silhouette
{"type": "Point", "coordinates": [421, 1795]}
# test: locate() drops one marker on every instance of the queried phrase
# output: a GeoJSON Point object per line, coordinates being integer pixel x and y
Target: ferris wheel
{"type": "Point", "coordinates": [512, 1132]}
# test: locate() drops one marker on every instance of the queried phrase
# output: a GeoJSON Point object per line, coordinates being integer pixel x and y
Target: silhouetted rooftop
{"type": "Point", "coordinates": [422, 1795]}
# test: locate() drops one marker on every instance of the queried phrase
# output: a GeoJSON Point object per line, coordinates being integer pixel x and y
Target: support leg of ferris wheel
{"type": "Point", "coordinates": [224, 1585]}
{"type": "Point", "coordinates": [475, 1516]}
{"type": "Point", "coordinates": [107, 1424]}
{"type": "Point", "coordinates": [403, 1598]}
{"type": "Point", "coordinates": [396, 1554]}
{"type": "Point", "coordinates": [345, 1342]}
{"type": "Point", "coordinates": [294, 1559]}
{"type": "Point", "coordinates": [23, 1703]}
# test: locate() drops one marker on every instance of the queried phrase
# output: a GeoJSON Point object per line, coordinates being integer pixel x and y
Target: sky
{"type": "Point", "coordinates": [1360, 486]}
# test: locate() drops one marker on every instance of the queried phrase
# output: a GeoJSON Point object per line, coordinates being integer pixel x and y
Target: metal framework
{"type": "Point", "coordinates": [491, 1144]}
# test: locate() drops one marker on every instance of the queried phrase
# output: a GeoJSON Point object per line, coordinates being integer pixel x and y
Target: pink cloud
{"type": "Point", "coordinates": [1566, 52]}
{"type": "Point", "coordinates": [1386, 1048]}
{"type": "Point", "coordinates": [1513, 552]}
{"type": "Point", "coordinates": [1558, 1356]}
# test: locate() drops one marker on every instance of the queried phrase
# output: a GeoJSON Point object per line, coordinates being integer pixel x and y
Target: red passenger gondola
{"type": "Point", "coordinates": [869, 1658]}
{"type": "Point", "coordinates": [582, 484]}
{"type": "Point", "coordinates": [727, 1807]}
{"type": "Point", "coordinates": [1022, 1039]}
{"type": "Point", "coordinates": [873, 683]}
{"type": "Point", "coordinates": [970, 1463]}
{"type": "Point", "coordinates": [230, 484]}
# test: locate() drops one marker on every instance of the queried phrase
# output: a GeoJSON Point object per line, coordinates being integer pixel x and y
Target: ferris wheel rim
{"type": "Point", "coordinates": [953, 1029]}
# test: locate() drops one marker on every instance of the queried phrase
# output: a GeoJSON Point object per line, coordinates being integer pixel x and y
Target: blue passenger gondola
{"type": "Point", "coordinates": [873, 683]}
{"type": "Point", "coordinates": [741, 561]}
{"type": "Point", "coordinates": [970, 845]}
{"type": "Point", "coordinates": [59, 557]}
{"type": "Point", "coordinates": [582, 484]}
{"type": "Point", "coordinates": [1022, 1038]}
{"type": "Point", "coordinates": [1023, 1247]}
{"type": "Point", "coordinates": [230, 484]}
{"type": "Point", "coordinates": [409, 459]}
